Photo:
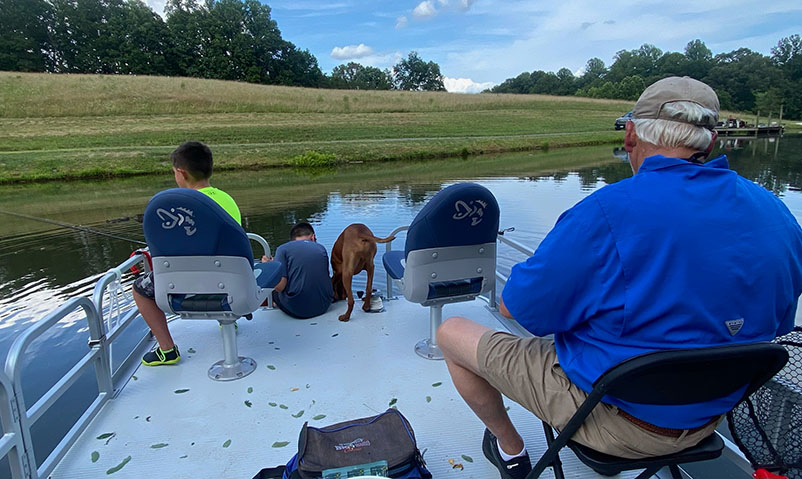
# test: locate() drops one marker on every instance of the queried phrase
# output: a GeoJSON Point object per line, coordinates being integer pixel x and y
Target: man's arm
{"type": "Point", "coordinates": [567, 280]}
{"type": "Point", "coordinates": [281, 284]}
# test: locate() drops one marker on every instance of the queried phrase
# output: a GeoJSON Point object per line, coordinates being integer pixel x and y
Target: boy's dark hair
{"type": "Point", "coordinates": [301, 229]}
{"type": "Point", "coordinates": [195, 158]}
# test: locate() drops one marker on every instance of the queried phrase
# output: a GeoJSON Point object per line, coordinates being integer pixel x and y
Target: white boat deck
{"type": "Point", "coordinates": [306, 369]}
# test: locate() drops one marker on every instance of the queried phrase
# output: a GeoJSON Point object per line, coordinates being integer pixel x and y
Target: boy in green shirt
{"type": "Point", "coordinates": [192, 167]}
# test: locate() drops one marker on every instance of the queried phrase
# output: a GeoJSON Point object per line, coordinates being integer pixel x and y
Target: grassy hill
{"type": "Point", "coordinates": [77, 126]}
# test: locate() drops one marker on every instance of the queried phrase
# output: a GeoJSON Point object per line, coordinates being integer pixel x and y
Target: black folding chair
{"type": "Point", "coordinates": [683, 376]}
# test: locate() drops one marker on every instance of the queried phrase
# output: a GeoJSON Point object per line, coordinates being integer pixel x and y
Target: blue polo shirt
{"type": "Point", "coordinates": [680, 255]}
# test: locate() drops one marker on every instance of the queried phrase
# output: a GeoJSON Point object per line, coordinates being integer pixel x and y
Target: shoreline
{"type": "Point", "coordinates": [285, 155]}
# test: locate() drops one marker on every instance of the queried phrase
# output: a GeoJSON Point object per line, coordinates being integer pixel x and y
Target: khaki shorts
{"type": "Point", "coordinates": [526, 370]}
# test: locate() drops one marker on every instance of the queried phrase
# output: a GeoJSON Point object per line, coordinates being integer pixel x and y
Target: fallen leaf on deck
{"type": "Point", "coordinates": [159, 445]}
{"type": "Point", "coordinates": [312, 324]}
{"type": "Point", "coordinates": [319, 417]}
{"type": "Point", "coordinates": [227, 443]}
{"type": "Point", "coordinates": [467, 458]}
{"type": "Point", "coordinates": [250, 390]}
{"type": "Point", "coordinates": [299, 413]}
{"type": "Point", "coordinates": [271, 342]}
{"type": "Point", "coordinates": [458, 466]}
{"type": "Point", "coordinates": [119, 466]}
{"type": "Point", "coordinates": [335, 334]}
{"type": "Point", "coordinates": [293, 389]}
{"type": "Point", "coordinates": [437, 384]}
{"type": "Point", "coordinates": [183, 457]}
{"type": "Point", "coordinates": [248, 403]}
{"type": "Point", "coordinates": [95, 456]}
{"type": "Point", "coordinates": [451, 461]}
{"type": "Point", "coordinates": [181, 391]}
{"type": "Point", "coordinates": [134, 378]}
{"type": "Point", "coordinates": [428, 399]}
{"type": "Point", "coordinates": [393, 401]}
{"type": "Point", "coordinates": [105, 435]}
{"type": "Point", "coordinates": [271, 367]}
{"type": "Point", "coordinates": [283, 406]}
{"type": "Point", "coordinates": [272, 404]}
{"type": "Point", "coordinates": [147, 419]}
{"type": "Point", "coordinates": [191, 350]}
{"type": "Point", "coordinates": [280, 443]}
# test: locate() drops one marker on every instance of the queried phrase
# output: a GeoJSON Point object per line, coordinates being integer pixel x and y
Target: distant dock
{"type": "Point", "coordinates": [751, 131]}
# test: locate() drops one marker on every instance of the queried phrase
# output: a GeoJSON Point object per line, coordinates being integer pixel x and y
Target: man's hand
{"type": "Point", "coordinates": [503, 309]}
{"type": "Point", "coordinates": [266, 259]}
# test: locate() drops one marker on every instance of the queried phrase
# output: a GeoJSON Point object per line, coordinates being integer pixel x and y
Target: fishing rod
{"type": "Point", "coordinates": [72, 226]}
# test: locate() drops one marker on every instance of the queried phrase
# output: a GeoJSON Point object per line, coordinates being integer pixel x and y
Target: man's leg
{"type": "Point", "coordinates": [458, 339]}
{"type": "Point", "coordinates": [155, 319]}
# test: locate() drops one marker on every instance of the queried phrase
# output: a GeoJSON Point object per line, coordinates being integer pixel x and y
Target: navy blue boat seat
{"type": "Point", "coordinates": [449, 254]}
{"type": "Point", "coordinates": [204, 268]}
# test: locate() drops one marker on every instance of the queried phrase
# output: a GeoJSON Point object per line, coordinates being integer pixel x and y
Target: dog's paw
{"type": "Point", "coordinates": [366, 306]}
{"type": "Point", "coordinates": [344, 318]}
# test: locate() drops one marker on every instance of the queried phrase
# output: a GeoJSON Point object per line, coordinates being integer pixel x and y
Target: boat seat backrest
{"type": "Point", "coordinates": [202, 258]}
{"type": "Point", "coordinates": [450, 248]}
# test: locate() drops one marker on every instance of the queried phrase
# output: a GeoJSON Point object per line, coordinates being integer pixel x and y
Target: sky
{"type": "Point", "coordinates": [481, 43]}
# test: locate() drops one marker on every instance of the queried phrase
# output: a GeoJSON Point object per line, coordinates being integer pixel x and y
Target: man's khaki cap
{"type": "Point", "coordinates": [651, 102]}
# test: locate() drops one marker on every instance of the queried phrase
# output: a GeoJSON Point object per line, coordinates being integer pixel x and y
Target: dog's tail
{"type": "Point", "coordinates": [377, 240]}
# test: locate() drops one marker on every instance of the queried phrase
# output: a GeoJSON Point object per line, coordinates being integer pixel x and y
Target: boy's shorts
{"type": "Point", "coordinates": [143, 285]}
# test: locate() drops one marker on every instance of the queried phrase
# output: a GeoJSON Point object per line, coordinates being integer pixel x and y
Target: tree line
{"type": "Point", "coordinates": [744, 80]}
{"type": "Point", "coordinates": [220, 39]}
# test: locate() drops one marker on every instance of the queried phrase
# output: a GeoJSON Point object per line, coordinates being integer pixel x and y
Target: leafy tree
{"type": "Point", "coordinates": [521, 84]}
{"type": "Point", "coordinates": [354, 76]}
{"type": "Point", "coordinates": [595, 70]}
{"type": "Point", "coordinates": [24, 41]}
{"type": "Point", "coordinates": [699, 59]}
{"type": "Point", "coordinates": [414, 74]}
{"type": "Point", "coordinates": [742, 73]}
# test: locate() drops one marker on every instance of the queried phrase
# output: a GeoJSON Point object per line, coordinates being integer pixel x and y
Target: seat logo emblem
{"type": "Point", "coordinates": [180, 216]}
{"type": "Point", "coordinates": [734, 325]}
{"type": "Point", "coordinates": [474, 210]}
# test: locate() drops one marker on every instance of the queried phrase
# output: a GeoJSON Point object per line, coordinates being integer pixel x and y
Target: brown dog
{"type": "Point", "coordinates": [352, 253]}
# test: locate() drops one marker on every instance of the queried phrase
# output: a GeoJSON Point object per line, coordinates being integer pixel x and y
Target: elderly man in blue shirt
{"type": "Point", "coordinates": [682, 254]}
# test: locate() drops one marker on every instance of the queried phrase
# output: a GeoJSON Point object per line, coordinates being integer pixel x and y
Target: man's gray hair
{"type": "Point", "coordinates": [679, 133]}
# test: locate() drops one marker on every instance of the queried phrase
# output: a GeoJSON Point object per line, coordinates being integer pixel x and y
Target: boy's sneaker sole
{"type": "Point", "coordinates": [516, 468]}
{"type": "Point", "coordinates": [157, 357]}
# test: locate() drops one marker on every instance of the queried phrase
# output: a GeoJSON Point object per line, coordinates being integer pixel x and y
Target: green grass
{"type": "Point", "coordinates": [90, 126]}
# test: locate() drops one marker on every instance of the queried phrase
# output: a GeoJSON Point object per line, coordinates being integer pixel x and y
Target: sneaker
{"type": "Point", "coordinates": [157, 357]}
{"type": "Point", "coordinates": [516, 468]}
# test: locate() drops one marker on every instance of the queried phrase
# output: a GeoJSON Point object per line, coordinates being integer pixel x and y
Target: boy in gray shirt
{"type": "Point", "coordinates": [305, 289]}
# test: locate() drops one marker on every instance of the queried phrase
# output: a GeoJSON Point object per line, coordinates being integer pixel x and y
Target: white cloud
{"type": "Point", "coordinates": [443, 2]}
{"type": "Point", "coordinates": [425, 9]}
{"type": "Point", "coordinates": [401, 22]}
{"type": "Point", "coordinates": [465, 85]}
{"type": "Point", "coordinates": [465, 4]}
{"type": "Point", "coordinates": [351, 51]}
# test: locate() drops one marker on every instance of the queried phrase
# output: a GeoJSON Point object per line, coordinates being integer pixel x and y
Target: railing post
{"type": "Point", "coordinates": [12, 442]}
{"type": "Point", "coordinates": [97, 340]}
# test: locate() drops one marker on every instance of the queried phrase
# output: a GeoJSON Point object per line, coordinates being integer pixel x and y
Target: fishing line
{"type": "Point", "coordinates": [72, 226]}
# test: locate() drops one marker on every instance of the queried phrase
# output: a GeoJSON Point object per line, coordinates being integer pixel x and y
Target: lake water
{"type": "Point", "coordinates": [42, 265]}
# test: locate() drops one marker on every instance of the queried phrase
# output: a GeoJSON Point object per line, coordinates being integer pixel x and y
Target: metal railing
{"type": "Point", "coordinates": [108, 313]}
{"type": "Point", "coordinates": [11, 443]}
{"type": "Point", "coordinates": [97, 357]}
{"type": "Point", "coordinates": [106, 319]}
{"type": "Point", "coordinates": [387, 248]}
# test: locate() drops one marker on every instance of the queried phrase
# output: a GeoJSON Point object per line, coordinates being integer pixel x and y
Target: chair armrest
{"type": "Point", "coordinates": [261, 241]}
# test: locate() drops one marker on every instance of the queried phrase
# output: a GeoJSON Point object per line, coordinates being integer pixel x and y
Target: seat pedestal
{"type": "Point", "coordinates": [427, 348]}
{"type": "Point", "coordinates": [233, 366]}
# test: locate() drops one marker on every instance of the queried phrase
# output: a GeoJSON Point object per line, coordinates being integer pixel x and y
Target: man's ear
{"type": "Point", "coordinates": [631, 138]}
